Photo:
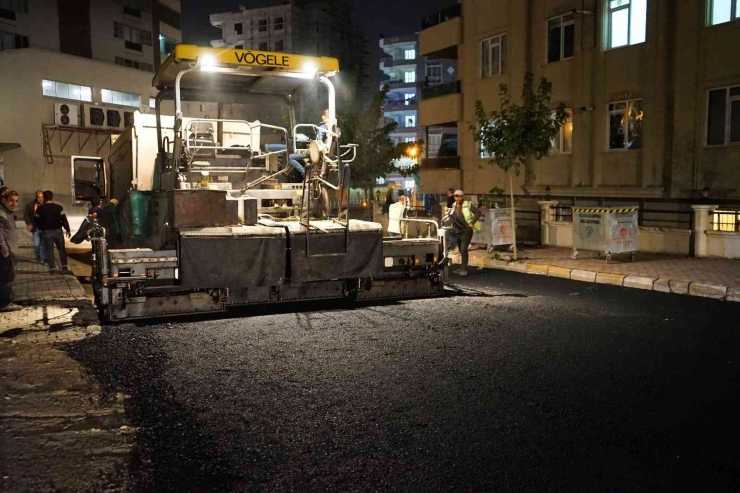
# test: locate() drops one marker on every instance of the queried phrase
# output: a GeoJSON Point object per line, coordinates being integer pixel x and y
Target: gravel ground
{"type": "Point", "coordinates": [510, 383]}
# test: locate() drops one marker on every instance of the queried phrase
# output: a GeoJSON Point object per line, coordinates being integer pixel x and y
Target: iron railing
{"type": "Point", "coordinates": [398, 103]}
{"type": "Point", "coordinates": [440, 90]}
{"type": "Point", "coordinates": [442, 16]}
{"type": "Point", "coordinates": [645, 217]}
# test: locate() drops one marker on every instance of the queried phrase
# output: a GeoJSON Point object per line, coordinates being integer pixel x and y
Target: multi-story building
{"type": "Point", "coordinates": [131, 33]}
{"type": "Point", "coordinates": [652, 88]}
{"type": "Point", "coordinates": [308, 27]}
{"type": "Point", "coordinates": [409, 76]}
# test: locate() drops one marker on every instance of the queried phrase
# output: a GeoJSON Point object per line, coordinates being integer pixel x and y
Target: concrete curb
{"type": "Point", "coordinates": [663, 285]}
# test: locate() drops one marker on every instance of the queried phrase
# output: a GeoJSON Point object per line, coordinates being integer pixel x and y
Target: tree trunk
{"type": "Point", "coordinates": [513, 212]}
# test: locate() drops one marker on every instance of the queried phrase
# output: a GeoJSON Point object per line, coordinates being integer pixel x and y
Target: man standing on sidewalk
{"type": "Point", "coordinates": [29, 217]}
{"type": "Point", "coordinates": [8, 246]}
{"type": "Point", "coordinates": [50, 219]}
{"type": "Point", "coordinates": [465, 218]}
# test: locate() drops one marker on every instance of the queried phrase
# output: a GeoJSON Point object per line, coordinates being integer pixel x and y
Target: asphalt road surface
{"type": "Point", "coordinates": [510, 383]}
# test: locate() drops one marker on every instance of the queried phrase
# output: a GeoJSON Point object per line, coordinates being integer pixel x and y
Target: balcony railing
{"type": "Point", "coordinates": [397, 83]}
{"type": "Point", "coordinates": [442, 16]}
{"type": "Point", "coordinates": [398, 103]}
{"type": "Point", "coordinates": [440, 90]}
{"type": "Point", "coordinates": [448, 162]}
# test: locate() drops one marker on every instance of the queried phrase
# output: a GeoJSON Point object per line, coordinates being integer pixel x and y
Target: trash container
{"type": "Point", "coordinates": [495, 228]}
{"type": "Point", "coordinates": [611, 230]}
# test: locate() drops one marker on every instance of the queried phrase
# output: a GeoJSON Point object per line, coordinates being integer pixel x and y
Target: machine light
{"type": "Point", "coordinates": [208, 62]}
{"type": "Point", "coordinates": [309, 69]}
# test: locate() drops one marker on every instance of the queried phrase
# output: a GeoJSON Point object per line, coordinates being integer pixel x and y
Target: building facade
{"type": "Point", "coordinates": [307, 27]}
{"type": "Point", "coordinates": [652, 88]}
{"type": "Point", "coordinates": [131, 33]}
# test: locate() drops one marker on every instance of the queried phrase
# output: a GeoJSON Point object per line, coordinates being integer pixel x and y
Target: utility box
{"type": "Point", "coordinates": [611, 230]}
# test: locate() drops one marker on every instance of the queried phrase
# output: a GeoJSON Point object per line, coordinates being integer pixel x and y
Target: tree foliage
{"type": "Point", "coordinates": [376, 151]}
{"type": "Point", "coordinates": [518, 132]}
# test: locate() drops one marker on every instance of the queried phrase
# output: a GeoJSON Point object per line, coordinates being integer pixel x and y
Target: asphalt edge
{"type": "Point", "coordinates": [663, 285]}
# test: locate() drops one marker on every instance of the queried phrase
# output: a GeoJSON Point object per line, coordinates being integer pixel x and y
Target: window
{"type": "Point", "coordinates": [166, 45]}
{"type": "Point", "coordinates": [408, 184]}
{"type": "Point", "coordinates": [8, 8]}
{"type": "Point", "coordinates": [409, 54]}
{"type": "Point", "coordinates": [627, 22]}
{"type": "Point", "coordinates": [262, 25]}
{"type": "Point", "coordinates": [493, 56]}
{"type": "Point", "coordinates": [409, 121]}
{"type": "Point", "coordinates": [409, 98]}
{"type": "Point", "coordinates": [131, 11]}
{"type": "Point", "coordinates": [134, 37]}
{"type": "Point", "coordinates": [409, 140]}
{"type": "Point", "coordinates": [560, 38]}
{"type": "Point", "coordinates": [625, 125]}
{"type": "Point", "coordinates": [134, 64]}
{"type": "Point", "coordinates": [278, 23]}
{"type": "Point", "coordinates": [434, 74]}
{"type": "Point", "coordinates": [562, 143]}
{"type": "Point", "coordinates": [723, 116]}
{"type": "Point", "coordinates": [263, 46]}
{"type": "Point", "coordinates": [435, 141]}
{"type": "Point", "coordinates": [152, 102]}
{"type": "Point", "coordinates": [169, 16]}
{"type": "Point", "coordinates": [10, 41]}
{"type": "Point", "coordinates": [721, 11]}
{"type": "Point", "coordinates": [279, 45]}
{"type": "Point", "coordinates": [409, 77]}
{"type": "Point", "coordinates": [238, 28]}
{"type": "Point", "coordinates": [118, 97]}
{"type": "Point", "coordinates": [64, 90]}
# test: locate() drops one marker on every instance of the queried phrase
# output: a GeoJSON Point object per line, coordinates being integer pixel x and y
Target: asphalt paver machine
{"type": "Point", "coordinates": [214, 221]}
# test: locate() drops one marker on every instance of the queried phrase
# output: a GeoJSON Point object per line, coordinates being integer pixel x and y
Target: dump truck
{"type": "Point", "coordinates": [213, 214]}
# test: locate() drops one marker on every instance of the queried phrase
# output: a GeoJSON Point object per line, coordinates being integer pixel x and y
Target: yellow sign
{"type": "Point", "coordinates": [219, 57]}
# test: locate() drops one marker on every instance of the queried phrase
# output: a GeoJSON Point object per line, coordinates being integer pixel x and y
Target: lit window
{"type": "Point", "coordinates": [152, 103]}
{"type": "Point", "coordinates": [118, 97]}
{"type": "Point", "coordinates": [493, 56]}
{"type": "Point", "coordinates": [409, 77]}
{"type": "Point", "coordinates": [408, 184]}
{"type": "Point", "coordinates": [723, 116]}
{"type": "Point", "coordinates": [409, 140]}
{"type": "Point", "coordinates": [409, 54]}
{"type": "Point", "coordinates": [627, 22]}
{"type": "Point", "coordinates": [409, 98]}
{"type": "Point", "coordinates": [562, 143]}
{"type": "Point", "coordinates": [410, 121]}
{"type": "Point", "coordinates": [721, 11]}
{"type": "Point", "coordinates": [625, 125]}
{"type": "Point", "coordinates": [66, 91]}
{"type": "Point", "coordinates": [434, 74]}
{"type": "Point", "coordinates": [560, 38]}
{"type": "Point", "coordinates": [166, 45]}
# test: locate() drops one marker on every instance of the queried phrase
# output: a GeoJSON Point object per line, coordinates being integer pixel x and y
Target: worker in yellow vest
{"type": "Point", "coordinates": [465, 218]}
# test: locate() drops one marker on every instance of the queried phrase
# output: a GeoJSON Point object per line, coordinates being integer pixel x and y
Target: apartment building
{"type": "Point", "coordinates": [131, 33]}
{"type": "Point", "coordinates": [652, 88]}
{"type": "Point", "coordinates": [308, 27]}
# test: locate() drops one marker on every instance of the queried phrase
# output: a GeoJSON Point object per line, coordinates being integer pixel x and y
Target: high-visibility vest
{"type": "Point", "coordinates": [469, 216]}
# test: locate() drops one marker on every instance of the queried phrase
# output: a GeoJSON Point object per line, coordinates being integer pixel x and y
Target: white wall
{"type": "Point", "coordinates": [723, 244]}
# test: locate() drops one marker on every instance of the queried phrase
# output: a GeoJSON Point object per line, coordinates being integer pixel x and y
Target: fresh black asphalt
{"type": "Point", "coordinates": [509, 383]}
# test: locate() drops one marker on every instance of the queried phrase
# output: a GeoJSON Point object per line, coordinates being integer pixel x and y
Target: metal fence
{"type": "Point", "coordinates": [441, 16]}
{"type": "Point", "coordinates": [646, 217]}
{"type": "Point", "coordinates": [440, 90]}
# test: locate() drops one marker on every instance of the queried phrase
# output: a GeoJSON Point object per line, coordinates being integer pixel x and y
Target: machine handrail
{"type": "Point", "coordinates": [250, 125]}
{"type": "Point", "coordinates": [428, 221]}
{"type": "Point", "coordinates": [315, 127]}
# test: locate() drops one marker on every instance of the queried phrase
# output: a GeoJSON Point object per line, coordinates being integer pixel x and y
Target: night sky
{"type": "Point", "coordinates": [389, 17]}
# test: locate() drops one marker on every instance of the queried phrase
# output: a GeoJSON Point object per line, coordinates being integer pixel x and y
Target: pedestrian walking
{"type": "Point", "coordinates": [8, 246]}
{"type": "Point", "coordinates": [396, 212]}
{"type": "Point", "coordinates": [464, 218]}
{"type": "Point", "coordinates": [29, 217]}
{"type": "Point", "coordinates": [50, 219]}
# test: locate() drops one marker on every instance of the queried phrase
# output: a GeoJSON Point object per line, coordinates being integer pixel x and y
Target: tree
{"type": "Point", "coordinates": [375, 151]}
{"type": "Point", "coordinates": [517, 133]}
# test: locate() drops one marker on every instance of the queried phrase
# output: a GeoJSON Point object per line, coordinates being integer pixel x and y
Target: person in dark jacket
{"type": "Point", "coordinates": [50, 219]}
{"type": "Point", "coordinates": [29, 217]}
{"type": "Point", "coordinates": [450, 197]}
{"type": "Point", "coordinates": [8, 246]}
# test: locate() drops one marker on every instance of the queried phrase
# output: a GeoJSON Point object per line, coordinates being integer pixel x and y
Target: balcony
{"type": "Point", "coordinates": [389, 64]}
{"type": "Point", "coordinates": [446, 162]}
{"type": "Point", "coordinates": [440, 104]}
{"type": "Point", "coordinates": [441, 33]}
{"type": "Point", "coordinates": [438, 174]}
{"type": "Point", "coordinates": [399, 104]}
{"type": "Point", "coordinates": [397, 84]}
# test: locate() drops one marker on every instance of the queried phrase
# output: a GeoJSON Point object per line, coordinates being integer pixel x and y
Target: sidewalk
{"type": "Point", "coordinates": [55, 307]}
{"type": "Point", "coordinates": [708, 277]}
